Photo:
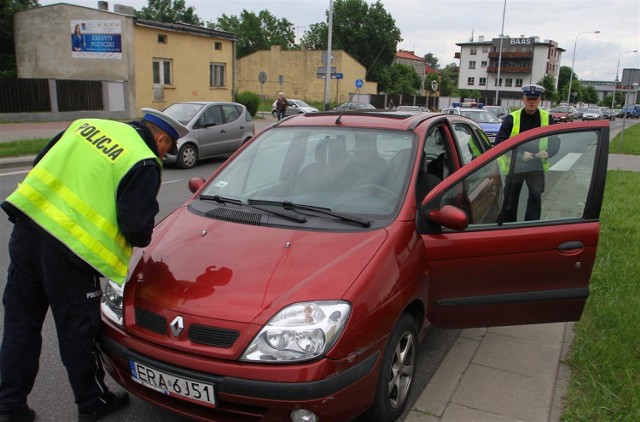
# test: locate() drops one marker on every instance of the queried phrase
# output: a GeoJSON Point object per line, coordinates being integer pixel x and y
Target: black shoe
{"type": "Point", "coordinates": [117, 402]}
{"type": "Point", "coordinates": [24, 414]}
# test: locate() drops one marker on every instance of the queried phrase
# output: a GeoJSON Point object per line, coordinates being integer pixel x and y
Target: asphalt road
{"type": "Point", "coordinates": [52, 398]}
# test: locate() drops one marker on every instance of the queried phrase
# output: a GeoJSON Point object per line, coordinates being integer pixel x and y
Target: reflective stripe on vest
{"type": "Point", "coordinates": [504, 161]}
{"type": "Point", "coordinates": [71, 192]}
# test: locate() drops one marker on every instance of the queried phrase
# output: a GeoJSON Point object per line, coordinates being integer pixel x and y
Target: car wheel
{"type": "Point", "coordinates": [274, 113]}
{"type": "Point", "coordinates": [187, 156]}
{"type": "Point", "coordinates": [397, 372]}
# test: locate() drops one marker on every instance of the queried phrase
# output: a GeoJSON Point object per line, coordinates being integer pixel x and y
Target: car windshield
{"type": "Point", "coordinates": [300, 103]}
{"type": "Point", "coordinates": [362, 173]}
{"type": "Point", "coordinates": [183, 112]}
{"type": "Point", "coordinates": [480, 116]}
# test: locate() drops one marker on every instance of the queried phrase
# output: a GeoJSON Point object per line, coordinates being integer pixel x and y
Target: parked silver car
{"type": "Point", "coordinates": [217, 129]}
{"type": "Point", "coordinates": [294, 107]}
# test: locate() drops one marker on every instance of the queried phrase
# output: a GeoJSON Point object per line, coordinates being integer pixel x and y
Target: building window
{"type": "Point", "coordinates": [472, 64]}
{"type": "Point", "coordinates": [485, 49]}
{"type": "Point", "coordinates": [508, 82]}
{"type": "Point", "coordinates": [483, 64]}
{"type": "Point", "coordinates": [474, 51]}
{"type": "Point", "coordinates": [495, 83]}
{"type": "Point", "coordinates": [217, 45]}
{"type": "Point", "coordinates": [216, 75]}
{"type": "Point", "coordinates": [482, 81]}
{"type": "Point", "coordinates": [162, 39]}
{"type": "Point", "coordinates": [471, 81]}
{"type": "Point", "coordinates": [162, 72]}
{"type": "Point", "coordinates": [518, 82]}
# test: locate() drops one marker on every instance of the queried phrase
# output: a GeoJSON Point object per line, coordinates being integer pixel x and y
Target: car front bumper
{"type": "Point", "coordinates": [340, 395]}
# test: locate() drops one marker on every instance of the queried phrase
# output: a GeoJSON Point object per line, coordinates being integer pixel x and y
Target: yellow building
{"type": "Point", "coordinates": [300, 74]}
{"type": "Point", "coordinates": [140, 63]}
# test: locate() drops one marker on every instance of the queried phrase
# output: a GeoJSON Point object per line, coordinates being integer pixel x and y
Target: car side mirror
{"type": "Point", "coordinates": [195, 183]}
{"type": "Point", "coordinates": [450, 217]}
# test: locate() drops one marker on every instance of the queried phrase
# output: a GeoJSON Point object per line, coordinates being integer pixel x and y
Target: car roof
{"type": "Point", "coordinates": [365, 118]}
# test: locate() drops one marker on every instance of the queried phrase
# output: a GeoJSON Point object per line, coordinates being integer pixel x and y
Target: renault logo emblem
{"type": "Point", "coordinates": [177, 325]}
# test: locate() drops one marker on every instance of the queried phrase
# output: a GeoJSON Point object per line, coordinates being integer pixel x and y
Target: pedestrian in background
{"type": "Point", "coordinates": [90, 198]}
{"type": "Point", "coordinates": [281, 105]}
{"type": "Point", "coordinates": [533, 157]}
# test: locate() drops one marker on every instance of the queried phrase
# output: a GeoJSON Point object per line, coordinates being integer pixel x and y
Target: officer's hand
{"type": "Point", "coordinates": [527, 156]}
{"type": "Point", "coordinates": [542, 154]}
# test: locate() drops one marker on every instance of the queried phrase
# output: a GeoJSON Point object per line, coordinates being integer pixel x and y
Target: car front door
{"type": "Point", "coordinates": [487, 271]}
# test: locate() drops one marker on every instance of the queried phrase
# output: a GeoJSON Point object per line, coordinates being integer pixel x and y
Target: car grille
{"type": "Point", "coordinates": [201, 334]}
{"type": "Point", "coordinates": [212, 336]}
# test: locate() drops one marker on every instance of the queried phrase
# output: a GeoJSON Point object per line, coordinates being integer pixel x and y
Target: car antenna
{"type": "Point", "coordinates": [364, 79]}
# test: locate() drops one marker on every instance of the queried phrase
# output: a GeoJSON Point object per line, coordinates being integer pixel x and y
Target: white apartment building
{"type": "Point", "coordinates": [524, 60]}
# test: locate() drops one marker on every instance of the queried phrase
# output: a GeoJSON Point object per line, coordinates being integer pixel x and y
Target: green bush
{"type": "Point", "coordinates": [250, 100]}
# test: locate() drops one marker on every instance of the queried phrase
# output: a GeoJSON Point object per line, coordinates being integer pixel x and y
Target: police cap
{"type": "Point", "coordinates": [174, 128]}
{"type": "Point", "coordinates": [532, 91]}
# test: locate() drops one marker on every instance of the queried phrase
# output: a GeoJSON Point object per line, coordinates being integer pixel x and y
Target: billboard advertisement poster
{"type": "Point", "coordinates": [96, 39]}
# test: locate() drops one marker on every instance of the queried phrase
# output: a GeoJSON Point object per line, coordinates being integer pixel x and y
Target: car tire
{"type": "Point", "coordinates": [397, 372]}
{"type": "Point", "coordinates": [274, 113]}
{"type": "Point", "coordinates": [187, 156]}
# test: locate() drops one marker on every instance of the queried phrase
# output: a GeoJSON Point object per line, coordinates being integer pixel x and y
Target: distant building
{"type": "Point", "coordinates": [300, 74]}
{"type": "Point", "coordinates": [421, 67]}
{"type": "Point", "coordinates": [626, 83]}
{"type": "Point", "coordinates": [140, 63]}
{"type": "Point", "coordinates": [523, 60]}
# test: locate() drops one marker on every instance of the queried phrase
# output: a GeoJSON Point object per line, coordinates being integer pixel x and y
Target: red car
{"type": "Point", "coordinates": [297, 281]}
{"type": "Point", "coordinates": [564, 114]}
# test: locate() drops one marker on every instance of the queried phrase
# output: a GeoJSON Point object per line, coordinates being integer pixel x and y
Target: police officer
{"type": "Point", "coordinates": [533, 157]}
{"type": "Point", "coordinates": [90, 198]}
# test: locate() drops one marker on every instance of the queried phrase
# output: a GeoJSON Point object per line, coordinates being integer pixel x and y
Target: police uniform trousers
{"type": "Point", "coordinates": [42, 275]}
{"type": "Point", "coordinates": [535, 184]}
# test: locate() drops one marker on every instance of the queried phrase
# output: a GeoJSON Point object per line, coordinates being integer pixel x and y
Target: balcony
{"type": "Point", "coordinates": [509, 69]}
{"type": "Point", "coordinates": [512, 54]}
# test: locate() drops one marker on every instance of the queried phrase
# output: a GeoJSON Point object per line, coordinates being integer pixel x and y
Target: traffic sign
{"type": "Point", "coordinates": [339, 76]}
{"type": "Point", "coordinates": [262, 77]}
{"type": "Point", "coordinates": [359, 83]}
{"type": "Point", "coordinates": [434, 85]}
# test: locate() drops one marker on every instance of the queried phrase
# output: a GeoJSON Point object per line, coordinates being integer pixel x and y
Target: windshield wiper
{"type": "Point", "coordinates": [223, 200]}
{"type": "Point", "coordinates": [320, 210]}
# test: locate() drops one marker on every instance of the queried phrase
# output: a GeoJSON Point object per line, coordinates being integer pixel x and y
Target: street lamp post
{"type": "Point", "coordinates": [573, 60]}
{"type": "Point", "coordinates": [615, 83]}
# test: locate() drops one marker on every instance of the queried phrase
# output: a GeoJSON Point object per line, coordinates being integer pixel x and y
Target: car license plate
{"type": "Point", "coordinates": [172, 385]}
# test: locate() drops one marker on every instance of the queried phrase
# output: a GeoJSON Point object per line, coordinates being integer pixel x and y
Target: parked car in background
{"type": "Point", "coordinates": [296, 282]}
{"type": "Point", "coordinates": [217, 129]}
{"type": "Point", "coordinates": [294, 107]}
{"type": "Point", "coordinates": [592, 113]}
{"type": "Point", "coordinates": [489, 123]}
{"type": "Point", "coordinates": [498, 111]}
{"type": "Point", "coordinates": [410, 108]}
{"type": "Point", "coordinates": [580, 111]}
{"type": "Point", "coordinates": [631, 111]}
{"type": "Point", "coordinates": [355, 106]}
{"type": "Point", "coordinates": [609, 113]}
{"type": "Point", "coordinates": [564, 113]}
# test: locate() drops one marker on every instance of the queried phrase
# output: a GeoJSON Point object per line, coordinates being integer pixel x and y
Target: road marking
{"type": "Point", "coordinates": [11, 173]}
{"type": "Point", "coordinates": [566, 162]}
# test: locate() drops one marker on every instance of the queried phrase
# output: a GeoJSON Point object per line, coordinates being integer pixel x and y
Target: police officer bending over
{"type": "Point", "coordinates": [90, 198]}
{"type": "Point", "coordinates": [533, 157]}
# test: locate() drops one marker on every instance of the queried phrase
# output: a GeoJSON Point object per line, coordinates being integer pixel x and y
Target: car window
{"type": "Point", "coordinates": [565, 185]}
{"type": "Point", "coordinates": [212, 116]}
{"type": "Point", "coordinates": [464, 136]}
{"type": "Point", "coordinates": [231, 112]}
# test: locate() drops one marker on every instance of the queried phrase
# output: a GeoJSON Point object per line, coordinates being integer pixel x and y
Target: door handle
{"type": "Point", "coordinates": [571, 246]}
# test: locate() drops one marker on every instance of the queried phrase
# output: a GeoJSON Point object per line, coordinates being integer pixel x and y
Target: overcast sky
{"type": "Point", "coordinates": [435, 26]}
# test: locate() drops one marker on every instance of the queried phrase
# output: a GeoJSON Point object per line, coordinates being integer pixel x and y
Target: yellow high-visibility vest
{"type": "Point", "coordinates": [504, 161]}
{"type": "Point", "coordinates": [71, 192]}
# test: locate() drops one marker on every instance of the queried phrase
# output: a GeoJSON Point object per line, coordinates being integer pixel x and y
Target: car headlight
{"type": "Point", "coordinates": [112, 298]}
{"type": "Point", "coordinates": [300, 332]}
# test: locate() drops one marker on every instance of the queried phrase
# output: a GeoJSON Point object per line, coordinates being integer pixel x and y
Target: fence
{"type": "Point", "coordinates": [49, 99]}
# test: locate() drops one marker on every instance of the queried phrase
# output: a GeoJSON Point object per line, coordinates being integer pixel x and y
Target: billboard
{"type": "Point", "coordinates": [96, 39]}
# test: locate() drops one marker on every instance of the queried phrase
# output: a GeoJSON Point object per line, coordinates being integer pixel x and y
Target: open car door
{"type": "Point", "coordinates": [487, 270]}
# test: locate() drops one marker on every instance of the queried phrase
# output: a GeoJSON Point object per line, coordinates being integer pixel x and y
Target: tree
{"type": "Point", "coordinates": [432, 61]}
{"type": "Point", "coordinates": [548, 82]}
{"type": "Point", "coordinates": [449, 79]}
{"type": "Point", "coordinates": [170, 12]}
{"type": "Point", "coordinates": [366, 32]}
{"type": "Point", "coordinates": [403, 80]}
{"type": "Point", "coordinates": [8, 8]}
{"type": "Point", "coordinates": [589, 95]}
{"type": "Point", "coordinates": [257, 32]}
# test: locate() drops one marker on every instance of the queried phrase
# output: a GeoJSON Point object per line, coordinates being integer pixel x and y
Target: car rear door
{"type": "Point", "coordinates": [498, 273]}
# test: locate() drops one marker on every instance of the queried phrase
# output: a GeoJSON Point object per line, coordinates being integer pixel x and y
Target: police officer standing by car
{"type": "Point", "coordinates": [90, 198]}
{"type": "Point", "coordinates": [532, 159]}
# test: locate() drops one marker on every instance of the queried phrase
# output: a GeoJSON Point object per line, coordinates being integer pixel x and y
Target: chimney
{"type": "Point", "coordinates": [125, 10]}
{"type": "Point", "coordinates": [103, 5]}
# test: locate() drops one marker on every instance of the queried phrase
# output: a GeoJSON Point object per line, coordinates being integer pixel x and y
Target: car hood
{"type": "Point", "coordinates": [238, 272]}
